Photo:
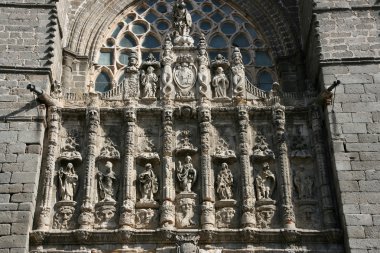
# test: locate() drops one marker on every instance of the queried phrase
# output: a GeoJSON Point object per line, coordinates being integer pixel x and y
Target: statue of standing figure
{"type": "Point", "coordinates": [265, 183]}
{"type": "Point", "coordinates": [106, 183]}
{"type": "Point", "coordinates": [68, 181]}
{"type": "Point", "coordinates": [148, 183]}
{"type": "Point", "coordinates": [182, 23]}
{"type": "Point", "coordinates": [186, 175]}
{"type": "Point", "coordinates": [149, 82]}
{"type": "Point", "coordinates": [220, 83]}
{"type": "Point", "coordinates": [224, 182]}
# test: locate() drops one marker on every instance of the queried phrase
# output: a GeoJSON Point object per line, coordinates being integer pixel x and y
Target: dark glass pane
{"type": "Point", "coordinates": [151, 17]}
{"type": "Point", "coordinates": [130, 18]}
{"type": "Point", "coordinates": [227, 9]}
{"type": "Point", "coordinates": [205, 25]}
{"type": "Point", "coordinates": [189, 6]}
{"type": "Point", "coordinates": [228, 28]}
{"type": "Point", "coordinates": [195, 16]}
{"type": "Point", "coordinates": [141, 10]}
{"type": "Point", "coordinates": [265, 81]}
{"type": "Point", "coordinates": [162, 8]}
{"type": "Point", "coordinates": [246, 57]}
{"type": "Point", "coordinates": [102, 83]}
{"type": "Point", "coordinates": [239, 19]}
{"type": "Point", "coordinates": [263, 59]}
{"type": "Point", "coordinates": [217, 2]}
{"type": "Point", "coordinates": [241, 41]}
{"type": "Point", "coordinates": [151, 2]}
{"type": "Point", "coordinates": [207, 8]}
{"type": "Point", "coordinates": [150, 42]}
{"type": "Point", "coordinates": [162, 25]}
{"type": "Point", "coordinates": [105, 58]}
{"type": "Point", "coordinates": [251, 31]}
{"type": "Point", "coordinates": [217, 17]}
{"type": "Point", "coordinates": [218, 42]}
{"type": "Point", "coordinates": [139, 28]}
{"type": "Point", "coordinates": [123, 58]}
{"type": "Point", "coordinates": [128, 41]}
{"type": "Point", "coordinates": [117, 30]}
{"type": "Point", "coordinates": [110, 43]}
{"type": "Point", "coordinates": [259, 43]}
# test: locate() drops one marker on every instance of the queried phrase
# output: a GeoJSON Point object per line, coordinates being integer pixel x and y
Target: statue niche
{"type": "Point", "coordinates": [106, 183]}
{"type": "Point", "coordinates": [265, 183]}
{"type": "Point", "coordinates": [148, 184]}
{"type": "Point", "coordinates": [67, 182]}
{"type": "Point", "coordinates": [224, 183]}
{"type": "Point", "coordinates": [149, 80]}
{"type": "Point", "coordinates": [186, 174]}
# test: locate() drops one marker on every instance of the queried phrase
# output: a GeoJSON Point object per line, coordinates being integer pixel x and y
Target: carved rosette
{"type": "Point", "coordinates": [53, 131]}
{"type": "Point", "coordinates": [87, 217]}
{"type": "Point", "coordinates": [283, 161]}
{"type": "Point", "coordinates": [127, 216]}
{"type": "Point", "coordinates": [329, 215]}
{"type": "Point", "coordinates": [248, 217]}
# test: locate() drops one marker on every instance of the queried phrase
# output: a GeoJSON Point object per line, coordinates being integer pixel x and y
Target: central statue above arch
{"type": "Point", "coordinates": [182, 24]}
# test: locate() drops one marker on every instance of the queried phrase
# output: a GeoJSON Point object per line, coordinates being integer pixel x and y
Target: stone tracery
{"type": "Point", "coordinates": [179, 193]}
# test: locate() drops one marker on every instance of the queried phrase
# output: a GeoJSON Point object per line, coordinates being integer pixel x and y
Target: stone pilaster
{"type": "Point", "coordinates": [329, 220]}
{"type": "Point", "coordinates": [168, 183]}
{"type": "Point", "coordinates": [208, 192]}
{"type": "Point", "coordinates": [285, 182]}
{"type": "Point", "coordinates": [53, 124]}
{"type": "Point", "coordinates": [87, 218]}
{"type": "Point", "coordinates": [248, 218]}
{"type": "Point", "coordinates": [127, 217]}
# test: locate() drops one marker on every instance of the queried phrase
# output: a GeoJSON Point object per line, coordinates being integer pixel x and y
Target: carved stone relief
{"type": "Point", "coordinates": [148, 184]}
{"type": "Point", "coordinates": [105, 215]}
{"type": "Point", "coordinates": [224, 183]}
{"type": "Point", "coordinates": [265, 183]}
{"type": "Point", "coordinates": [304, 183]}
{"type": "Point", "coordinates": [67, 182]}
{"type": "Point", "coordinates": [146, 218]}
{"type": "Point", "coordinates": [261, 148]}
{"type": "Point", "coordinates": [186, 213]}
{"type": "Point", "coordinates": [64, 217]}
{"type": "Point", "coordinates": [186, 174]}
{"type": "Point", "coordinates": [226, 217]}
{"type": "Point", "coordinates": [107, 183]}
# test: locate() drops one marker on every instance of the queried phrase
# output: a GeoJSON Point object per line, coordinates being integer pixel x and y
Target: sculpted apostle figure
{"type": "Point", "coordinates": [186, 174]}
{"type": "Point", "coordinates": [148, 183]}
{"type": "Point", "coordinates": [68, 180]}
{"type": "Point", "coordinates": [106, 183]}
{"type": "Point", "coordinates": [224, 182]}
{"type": "Point", "coordinates": [220, 83]}
{"type": "Point", "coordinates": [149, 82]}
{"type": "Point", "coordinates": [182, 23]}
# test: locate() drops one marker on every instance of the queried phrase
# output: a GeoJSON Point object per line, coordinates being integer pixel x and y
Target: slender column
{"type": "Point", "coordinates": [168, 184]}
{"type": "Point", "coordinates": [47, 188]}
{"type": "Point", "coordinates": [87, 218]}
{"type": "Point", "coordinates": [248, 218]}
{"type": "Point", "coordinates": [283, 160]}
{"type": "Point", "coordinates": [208, 193]}
{"type": "Point", "coordinates": [329, 219]}
{"type": "Point", "coordinates": [67, 69]}
{"type": "Point", "coordinates": [127, 217]}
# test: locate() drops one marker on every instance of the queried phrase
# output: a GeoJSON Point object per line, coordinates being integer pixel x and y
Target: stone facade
{"type": "Point", "coordinates": [185, 153]}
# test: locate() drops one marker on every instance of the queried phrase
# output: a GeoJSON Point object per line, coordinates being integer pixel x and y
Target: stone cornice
{"type": "Point", "coordinates": [352, 8]}
{"type": "Point", "coordinates": [28, 5]}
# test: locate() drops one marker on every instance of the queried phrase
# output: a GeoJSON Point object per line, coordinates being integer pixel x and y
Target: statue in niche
{"type": "Point", "coordinates": [182, 24]}
{"type": "Point", "coordinates": [225, 217]}
{"type": "Point", "coordinates": [131, 81]}
{"type": "Point", "coordinates": [68, 181]}
{"type": "Point", "coordinates": [186, 213]}
{"type": "Point", "coordinates": [265, 183]}
{"type": "Point", "coordinates": [186, 174]}
{"type": "Point", "coordinates": [304, 184]}
{"type": "Point", "coordinates": [238, 73]}
{"type": "Point", "coordinates": [106, 183]}
{"type": "Point", "coordinates": [148, 183]}
{"type": "Point", "coordinates": [220, 83]}
{"type": "Point", "coordinates": [224, 183]}
{"type": "Point", "coordinates": [63, 218]}
{"type": "Point", "coordinates": [299, 147]}
{"type": "Point", "coordinates": [149, 82]}
{"type": "Point", "coordinates": [261, 148]}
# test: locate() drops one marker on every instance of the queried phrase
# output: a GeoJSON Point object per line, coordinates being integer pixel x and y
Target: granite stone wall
{"type": "Point", "coordinates": [346, 36]}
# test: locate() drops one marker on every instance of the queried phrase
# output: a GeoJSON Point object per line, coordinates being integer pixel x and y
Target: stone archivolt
{"type": "Point", "coordinates": [162, 184]}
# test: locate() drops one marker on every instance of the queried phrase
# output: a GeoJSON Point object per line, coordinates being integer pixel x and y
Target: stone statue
{"type": "Point", "coordinates": [63, 218]}
{"type": "Point", "coordinates": [148, 183]}
{"type": "Point", "coordinates": [182, 24]}
{"type": "Point", "coordinates": [186, 175]}
{"type": "Point", "coordinates": [224, 182]}
{"type": "Point", "coordinates": [220, 83]}
{"type": "Point", "coordinates": [304, 184]}
{"type": "Point", "coordinates": [238, 73]}
{"type": "Point", "coordinates": [106, 183]}
{"type": "Point", "coordinates": [265, 183]}
{"type": "Point", "coordinates": [186, 213]}
{"type": "Point", "coordinates": [149, 82]}
{"type": "Point", "coordinates": [261, 148]}
{"type": "Point", "coordinates": [68, 181]}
